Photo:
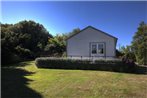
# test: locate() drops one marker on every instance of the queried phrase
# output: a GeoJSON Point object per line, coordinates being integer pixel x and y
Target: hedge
{"type": "Point", "coordinates": [105, 65]}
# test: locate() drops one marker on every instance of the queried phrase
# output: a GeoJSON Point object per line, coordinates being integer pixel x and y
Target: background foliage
{"type": "Point", "coordinates": [21, 41]}
{"type": "Point", "coordinates": [27, 40]}
{"type": "Point", "coordinates": [139, 44]}
{"type": "Point", "coordinates": [137, 51]}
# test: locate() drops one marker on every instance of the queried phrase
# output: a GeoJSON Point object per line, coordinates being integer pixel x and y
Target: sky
{"type": "Point", "coordinates": [118, 18]}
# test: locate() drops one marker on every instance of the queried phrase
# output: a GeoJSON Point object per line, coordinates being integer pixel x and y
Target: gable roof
{"type": "Point", "coordinates": [92, 28]}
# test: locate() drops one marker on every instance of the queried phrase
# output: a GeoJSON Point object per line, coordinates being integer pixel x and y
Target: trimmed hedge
{"type": "Point", "coordinates": [105, 65]}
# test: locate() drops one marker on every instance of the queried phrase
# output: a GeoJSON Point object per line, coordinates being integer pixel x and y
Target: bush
{"type": "Point", "coordinates": [10, 58]}
{"type": "Point", "coordinates": [64, 54]}
{"type": "Point", "coordinates": [119, 54]}
{"type": "Point", "coordinates": [107, 65]}
{"type": "Point", "coordinates": [23, 52]}
{"type": "Point", "coordinates": [59, 63]}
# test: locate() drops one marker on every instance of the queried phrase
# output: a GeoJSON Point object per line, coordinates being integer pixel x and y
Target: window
{"type": "Point", "coordinates": [100, 48]}
{"type": "Point", "coordinates": [94, 49]}
{"type": "Point", "coordinates": [97, 48]}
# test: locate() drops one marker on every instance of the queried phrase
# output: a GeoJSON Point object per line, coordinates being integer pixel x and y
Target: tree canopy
{"type": "Point", "coordinates": [139, 44]}
{"type": "Point", "coordinates": [24, 40]}
{"type": "Point", "coordinates": [74, 31]}
{"type": "Point", "coordinates": [28, 40]}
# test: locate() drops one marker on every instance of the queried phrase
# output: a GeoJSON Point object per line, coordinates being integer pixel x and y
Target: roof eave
{"type": "Point", "coordinates": [94, 29]}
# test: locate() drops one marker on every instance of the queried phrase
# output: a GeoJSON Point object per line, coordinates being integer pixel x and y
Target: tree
{"type": "Point", "coordinates": [8, 41]}
{"type": "Point", "coordinates": [31, 35]}
{"type": "Point", "coordinates": [119, 54]}
{"type": "Point", "coordinates": [25, 39]}
{"type": "Point", "coordinates": [57, 45]}
{"type": "Point", "coordinates": [128, 52]}
{"type": "Point", "coordinates": [74, 31]}
{"type": "Point", "coordinates": [139, 44]}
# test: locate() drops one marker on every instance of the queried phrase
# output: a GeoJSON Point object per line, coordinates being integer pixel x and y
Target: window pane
{"type": "Point", "coordinates": [94, 49]}
{"type": "Point", "coordinates": [101, 48]}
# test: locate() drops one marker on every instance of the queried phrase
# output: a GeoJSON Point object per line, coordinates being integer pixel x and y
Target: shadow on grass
{"type": "Point", "coordinates": [14, 84]}
{"type": "Point", "coordinates": [19, 64]}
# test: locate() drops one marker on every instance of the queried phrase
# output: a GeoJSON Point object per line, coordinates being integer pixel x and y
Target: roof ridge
{"type": "Point", "coordinates": [92, 28]}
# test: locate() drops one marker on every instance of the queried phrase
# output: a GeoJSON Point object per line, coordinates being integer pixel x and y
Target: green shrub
{"type": "Point", "coordinates": [63, 63]}
{"type": "Point", "coordinates": [23, 52]}
{"type": "Point", "coordinates": [10, 58]}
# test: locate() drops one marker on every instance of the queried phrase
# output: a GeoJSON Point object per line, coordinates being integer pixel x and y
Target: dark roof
{"type": "Point", "coordinates": [92, 28]}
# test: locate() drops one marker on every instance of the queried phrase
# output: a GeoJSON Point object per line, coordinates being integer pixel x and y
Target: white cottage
{"type": "Point", "coordinates": [91, 42]}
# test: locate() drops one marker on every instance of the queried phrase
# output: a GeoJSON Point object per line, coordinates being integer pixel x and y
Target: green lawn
{"type": "Point", "coordinates": [29, 81]}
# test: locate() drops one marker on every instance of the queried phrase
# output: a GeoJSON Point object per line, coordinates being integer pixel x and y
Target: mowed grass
{"type": "Point", "coordinates": [56, 83]}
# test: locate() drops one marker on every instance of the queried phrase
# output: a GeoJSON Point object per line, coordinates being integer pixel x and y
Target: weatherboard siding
{"type": "Point", "coordinates": [79, 45]}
